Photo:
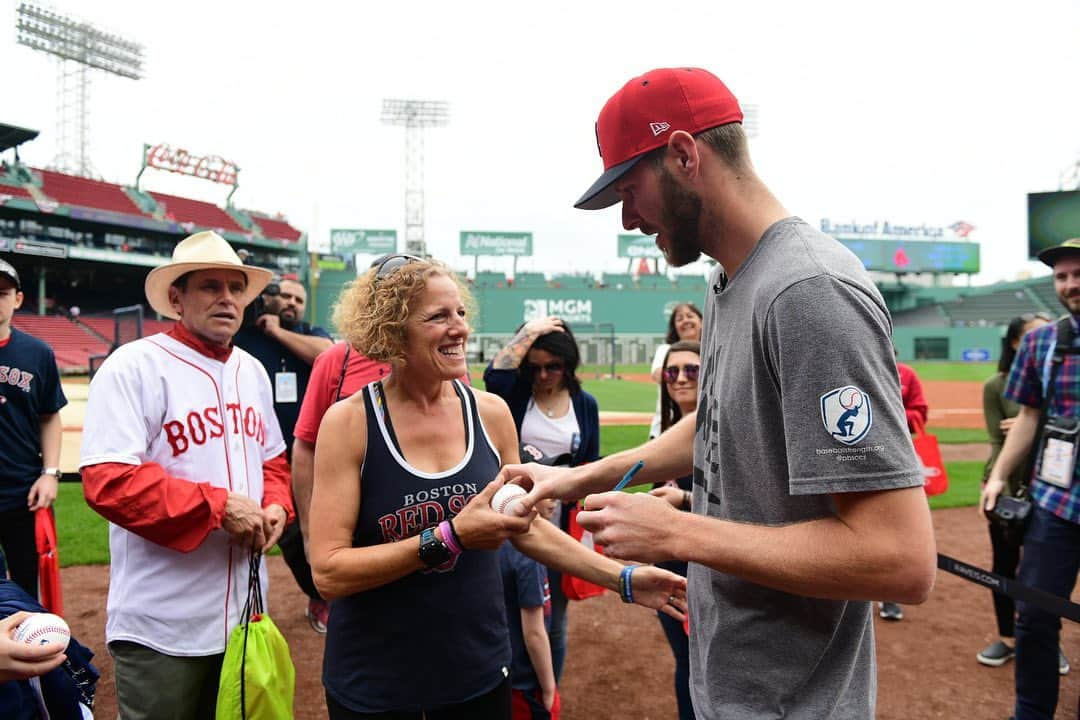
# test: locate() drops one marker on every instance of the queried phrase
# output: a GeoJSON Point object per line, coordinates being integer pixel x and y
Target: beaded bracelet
{"type": "Point", "coordinates": [626, 584]}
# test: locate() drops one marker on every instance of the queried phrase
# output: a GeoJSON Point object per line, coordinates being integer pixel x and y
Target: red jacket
{"type": "Point", "coordinates": [911, 391]}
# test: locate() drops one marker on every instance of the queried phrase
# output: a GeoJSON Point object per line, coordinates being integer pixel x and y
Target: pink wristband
{"type": "Point", "coordinates": [448, 537]}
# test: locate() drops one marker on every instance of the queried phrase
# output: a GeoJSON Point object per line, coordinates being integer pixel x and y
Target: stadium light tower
{"type": "Point", "coordinates": [414, 116]}
{"type": "Point", "coordinates": [78, 47]}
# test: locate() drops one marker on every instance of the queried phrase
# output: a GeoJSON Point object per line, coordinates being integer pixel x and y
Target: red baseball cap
{"type": "Point", "coordinates": [644, 113]}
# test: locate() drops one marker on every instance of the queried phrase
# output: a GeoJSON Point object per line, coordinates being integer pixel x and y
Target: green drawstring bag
{"type": "Point", "coordinates": [258, 680]}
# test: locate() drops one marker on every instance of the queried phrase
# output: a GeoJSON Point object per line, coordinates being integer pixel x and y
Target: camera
{"type": "Point", "coordinates": [257, 306]}
{"type": "Point", "coordinates": [1011, 512]}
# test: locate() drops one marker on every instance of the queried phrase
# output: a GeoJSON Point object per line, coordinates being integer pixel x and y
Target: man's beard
{"type": "Point", "coordinates": [682, 215]}
{"type": "Point", "coordinates": [288, 322]}
{"type": "Point", "coordinates": [1071, 303]}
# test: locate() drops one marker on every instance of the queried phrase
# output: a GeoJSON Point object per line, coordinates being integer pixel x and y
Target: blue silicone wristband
{"type": "Point", "coordinates": [626, 584]}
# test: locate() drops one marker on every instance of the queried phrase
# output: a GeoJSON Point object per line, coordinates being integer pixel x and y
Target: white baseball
{"type": "Point", "coordinates": [43, 629]}
{"type": "Point", "coordinates": [505, 497]}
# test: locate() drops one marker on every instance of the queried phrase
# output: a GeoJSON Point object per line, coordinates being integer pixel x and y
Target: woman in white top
{"type": "Point", "coordinates": [536, 375]}
{"type": "Point", "coordinates": [683, 324]}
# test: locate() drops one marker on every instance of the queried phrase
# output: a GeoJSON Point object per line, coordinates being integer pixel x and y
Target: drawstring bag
{"type": "Point", "coordinates": [258, 680]}
{"type": "Point", "coordinates": [935, 478]}
{"type": "Point", "coordinates": [48, 562]}
{"type": "Point", "coordinates": [574, 587]}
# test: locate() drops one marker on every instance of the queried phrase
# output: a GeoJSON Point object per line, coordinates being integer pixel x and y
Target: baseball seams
{"type": "Point", "coordinates": [43, 629]}
{"type": "Point", "coordinates": [505, 497]}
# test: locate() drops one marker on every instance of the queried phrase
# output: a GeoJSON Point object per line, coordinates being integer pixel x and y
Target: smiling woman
{"type": "Point", "coordinates": [418, 623]}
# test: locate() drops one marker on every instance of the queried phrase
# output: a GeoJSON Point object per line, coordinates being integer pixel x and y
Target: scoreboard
{"type": "Point", "coordinates": [914, 256]}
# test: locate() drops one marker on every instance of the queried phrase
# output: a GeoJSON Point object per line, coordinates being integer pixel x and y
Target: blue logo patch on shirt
{"type": "Point", "coordinates": [846, 414]}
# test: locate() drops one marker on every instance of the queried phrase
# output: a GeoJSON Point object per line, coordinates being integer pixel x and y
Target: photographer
{"type": "Point", "coordinates": [1043, 380]}
{"type": "Point", "coordinates": [276, 334]}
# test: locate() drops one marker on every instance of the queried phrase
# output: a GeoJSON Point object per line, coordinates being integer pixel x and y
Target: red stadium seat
{"type": "Point", "coordinates": [71, 190]}
{"type": "Point", "coordinates": [202, 214]}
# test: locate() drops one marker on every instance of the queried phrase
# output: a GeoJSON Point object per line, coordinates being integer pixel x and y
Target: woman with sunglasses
{"type": "Point", "coordinates": [403, 536]}
{"type": "Point", "coordinates": [535, 375]}
{"type": "Point", "coordinates": [678, 397]}
{"type": "Point", "coordinates": [684, 323]}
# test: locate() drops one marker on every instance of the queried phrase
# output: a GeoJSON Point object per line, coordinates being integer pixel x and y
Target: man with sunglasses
{"type": "Point", "coordinates": [796, 526]}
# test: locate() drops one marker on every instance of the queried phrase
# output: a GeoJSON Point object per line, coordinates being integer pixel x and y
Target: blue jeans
{"type": "Point", "coordinates": [680, 648]}
{"type": "Point", "coordinates": [1050, 563]}
{"type": "Point", "coordinates": [557, 633]}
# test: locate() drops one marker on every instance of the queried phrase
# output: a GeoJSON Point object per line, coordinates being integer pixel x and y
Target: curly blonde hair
{"type": "Point", "coordinates": [372, 316]}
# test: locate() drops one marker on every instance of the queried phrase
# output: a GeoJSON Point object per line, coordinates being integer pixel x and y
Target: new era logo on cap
{"type": "Point", "coordinates": [689, 99]}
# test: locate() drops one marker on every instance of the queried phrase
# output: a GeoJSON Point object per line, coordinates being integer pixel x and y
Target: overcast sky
{"type": "Point", "coordinates": [921, 112]}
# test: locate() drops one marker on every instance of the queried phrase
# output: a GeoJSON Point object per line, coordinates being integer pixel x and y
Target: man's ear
{"type": "Point", "coordinates": [18, 299]}
{"type": "Point", "coordinates": [174, 300]}
{"type": "Point", "coordinates": [684, 149]}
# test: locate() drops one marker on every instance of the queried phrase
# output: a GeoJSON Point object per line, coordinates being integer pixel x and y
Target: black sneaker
{"type": "Point", "coordinates": [996, 654]}
{"type": "Point", "coordinates": [891, 611]}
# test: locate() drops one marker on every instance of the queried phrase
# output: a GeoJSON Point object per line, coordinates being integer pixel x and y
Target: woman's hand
{"type": "Point", "coordinates": [543, 326]}
{"type": "Point", "coordinates": [672, 494]}
{"type": "Point", "coordinates": [479, 527]}
{"type": "Point", "coordinates": [660, 590]}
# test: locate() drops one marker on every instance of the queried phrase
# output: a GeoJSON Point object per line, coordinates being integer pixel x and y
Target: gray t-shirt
{"type": "Point", "coordinates": [799, 398]}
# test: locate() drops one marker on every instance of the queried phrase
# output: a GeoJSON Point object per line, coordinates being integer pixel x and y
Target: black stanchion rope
{"type": "Point", "coordinates": [1003, 585]}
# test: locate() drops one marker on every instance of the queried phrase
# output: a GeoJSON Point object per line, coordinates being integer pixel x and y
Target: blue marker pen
{"type": "Point", "coordinates": [630, 475]}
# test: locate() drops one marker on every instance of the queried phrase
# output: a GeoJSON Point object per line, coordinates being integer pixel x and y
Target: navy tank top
{"type": "Point", "coordinates": [435, 637]}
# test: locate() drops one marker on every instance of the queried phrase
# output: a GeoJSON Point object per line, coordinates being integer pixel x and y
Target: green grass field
{"type": "Point", "coordinates": [955, 371]}
{"type": "Point", "coordinates": [622, 395]}
{"type": "Point", "coordinates": [83, 535]}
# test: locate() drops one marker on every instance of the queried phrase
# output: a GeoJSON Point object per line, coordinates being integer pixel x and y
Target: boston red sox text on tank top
{"type": "Point", "coordinates": [432, 637]}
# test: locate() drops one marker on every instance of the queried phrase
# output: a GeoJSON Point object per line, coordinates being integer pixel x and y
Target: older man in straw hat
{"type": "Point", "coordinates": [183, 455]}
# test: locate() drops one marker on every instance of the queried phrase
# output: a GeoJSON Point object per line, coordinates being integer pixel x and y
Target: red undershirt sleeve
{"type": "Point", "coordinates": [144, 499]}
{"type": "Point", "coordinates": [277, 485]}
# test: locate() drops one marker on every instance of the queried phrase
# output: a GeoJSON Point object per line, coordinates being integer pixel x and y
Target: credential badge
{"type": "Point", "coordinates": [846, 414]}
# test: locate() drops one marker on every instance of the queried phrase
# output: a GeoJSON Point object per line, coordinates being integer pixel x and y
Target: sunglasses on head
{"type": "Point", "coordinates": [390, 263]}
{"type": "Point", "coordinates": [550, 368]}
{"type": "Point", "coordinates": [691, 370]}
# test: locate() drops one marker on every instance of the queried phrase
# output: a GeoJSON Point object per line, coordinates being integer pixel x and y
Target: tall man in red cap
{"type": "Point", "coordinates": [183, 455]}
{"type": "Point", "coordinates": [1044, 380]}
{"type": "Point", "coordinates": [808, 500]}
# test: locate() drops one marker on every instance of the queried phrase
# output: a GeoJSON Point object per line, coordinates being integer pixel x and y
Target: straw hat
{"type": "Point", "coordinates": [201, 251]}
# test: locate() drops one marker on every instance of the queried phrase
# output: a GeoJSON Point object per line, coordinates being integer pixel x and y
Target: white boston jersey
{"type": "Point", "coordinates": [156, 400]}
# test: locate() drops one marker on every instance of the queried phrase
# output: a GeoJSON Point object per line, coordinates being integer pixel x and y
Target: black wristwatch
{"type": "Point", "coordinates": [433, 551]}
